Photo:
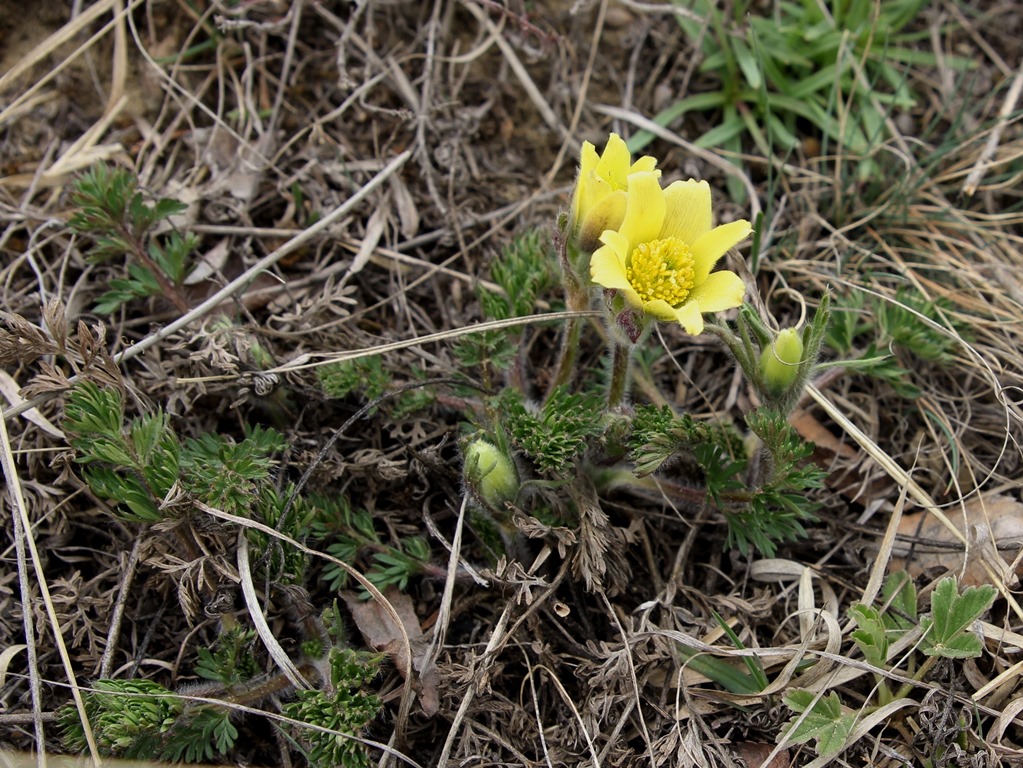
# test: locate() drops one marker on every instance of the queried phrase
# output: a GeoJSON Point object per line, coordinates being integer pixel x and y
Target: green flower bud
{"type": "Point", "coordinates": [490, 473]}
{"type": "Point", "coordinates": [780, 362]}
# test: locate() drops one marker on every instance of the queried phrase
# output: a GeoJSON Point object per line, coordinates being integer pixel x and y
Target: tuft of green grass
{"type": "Point", "coordinates": [832, 71]}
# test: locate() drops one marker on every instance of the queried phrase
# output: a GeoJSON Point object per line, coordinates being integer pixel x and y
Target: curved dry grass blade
{"type": "Point", "coordinates": [1008, 716]}
{"type": "Point", "coordinates": [24, 537]}
{"type": "Point", "coordinates": [303, 363]}
{"type": "Point", "coordinates": [407, 692]}
{"type": "Point", "coordinates": [823, 667]}
{"type": "Point", "coordinates": [275, 649]}
{"type": "Point", "coordinates": [444, 612]}
{"type": "Point", "coordinates": [6, 657]}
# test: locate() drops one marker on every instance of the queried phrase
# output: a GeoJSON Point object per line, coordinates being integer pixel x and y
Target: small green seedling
{"type": "Point", "coordinates": [115, 214]}
{"type": "Point", "coordinates": [945, 633]}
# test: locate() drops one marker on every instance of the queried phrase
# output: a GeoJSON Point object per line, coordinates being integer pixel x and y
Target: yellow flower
{"type": "Point", "coordinates": [598, 202]}
{"type": "Point", "coordinates": [661, 257]}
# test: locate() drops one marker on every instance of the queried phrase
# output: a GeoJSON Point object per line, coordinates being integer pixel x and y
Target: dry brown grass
{"type": "Point", "coordinates": [424, 136]}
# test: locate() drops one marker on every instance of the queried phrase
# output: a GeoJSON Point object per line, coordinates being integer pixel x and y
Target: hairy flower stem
{"type": "Point", "coordinates": [577, 299]}
{"type": "Point", "coordinates": [567, 355]}
{"type": "Point", "coordinates": [620, 357]}
{"type": "Point", "coordinates": [251, 692]}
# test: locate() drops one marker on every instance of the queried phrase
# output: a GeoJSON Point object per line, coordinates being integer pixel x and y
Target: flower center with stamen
{"type": "Point", "coordinates": [661, 269]}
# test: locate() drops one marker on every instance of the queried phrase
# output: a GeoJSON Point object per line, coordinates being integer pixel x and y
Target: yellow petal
{"type": "Point", "coordinates": [605, 214]}
{"type": "Point", "coordinates": [644, 210]}
{"type": "Point", "coordinates": [689, 317]}
{"type": "Point", "coordinates": [688, 210]}
{"type": "Point", "coordinates": [645, 163]}
{"type": "Point", "coordinates": [618, 242]}
{"type": "Point", "coordinates": [660, 309]}
{"type": "Point", "coordinates": [712, 245]}
{"type": "Point", "coordinates": [582, 197]}
{"type": "Point", "coordinates": [607, 268]}
{"type": "Point", "coordinates": [721, 290]}
{"type": "Point", "coordinates": [588, 157]}
{"type": "Point", "coordinates": [614, 163]}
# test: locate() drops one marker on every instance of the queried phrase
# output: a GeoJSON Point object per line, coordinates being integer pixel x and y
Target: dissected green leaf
{"type": "Point", "coordinates": [341, 710]}
{"type": "Point", "coordinates": [899, 593]}
{"type": "Point", "coordinates": [556, 433]}
{"type": "Point", "coordinates": [173, 255]}
{"type": "Point", "coordinates": [825, 722]}
{"type": "Point", "coordinates": [524, 270]}
{"type": "Point", "coordinates": [947, 631]}
{"type": "Point", "coordinates": [870, 635]}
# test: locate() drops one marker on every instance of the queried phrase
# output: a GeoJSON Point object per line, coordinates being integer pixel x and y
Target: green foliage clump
{"type": "Point", "coordinates": [897, 333]}
{"type": "Point", "coordinates": [271, 507]}
{"type": "Point", "coordinates": [364, 376]}
{"type": "Point", "coordinates": [948, 631]}
{"type": "Point", "coordinates": [760, 511]}
{"type": "Point", "coordinates": [115, 214]}
{"type": "Point", "coordinates": [231, 661]}
{"type": "Point", "coordinates": [555, 434]}
{"type": "Point", "coordinates": [823, 720]}
{"type": "Point", "coordinates": [343, 708]}
{"type": "Point", "coordinates": [226, 474]}
{"type": "Point", "coordinates": [353, 536]}
{"type": "Point", "coordinates": [838, 68]}
{"type": "Point", "coordinates": [135, 466]}
{"type": "Point", "coordinates": [368, 380]}
{"type": "Point", "coordinates": [202, 733]}
{"type": "Point", "coordinates": [523, 272]}
{"type": "Point", "coordinates": [396, 565]}
{"type": "Point", "coordinates": [777, 508]}
{"type": "Point", "coordinates": [140, 719]}
{"type": "Point", "coordinates": [484, 349]}
{"type": "Point", "coordinates": [127, 717]}
{"type": "Point", "coordinates": [658, 434]}
{"type": "Point", "coordinates": [914, 325]}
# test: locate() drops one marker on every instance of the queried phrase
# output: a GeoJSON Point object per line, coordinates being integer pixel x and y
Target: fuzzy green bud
{"type": "Point", "coordinates": [780, 362]}
{"type": "Point", "coordinates": [490, 473]}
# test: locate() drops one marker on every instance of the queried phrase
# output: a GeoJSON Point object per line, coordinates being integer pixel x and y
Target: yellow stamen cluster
{"type": "Point", "coordinates": [661, 269]}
